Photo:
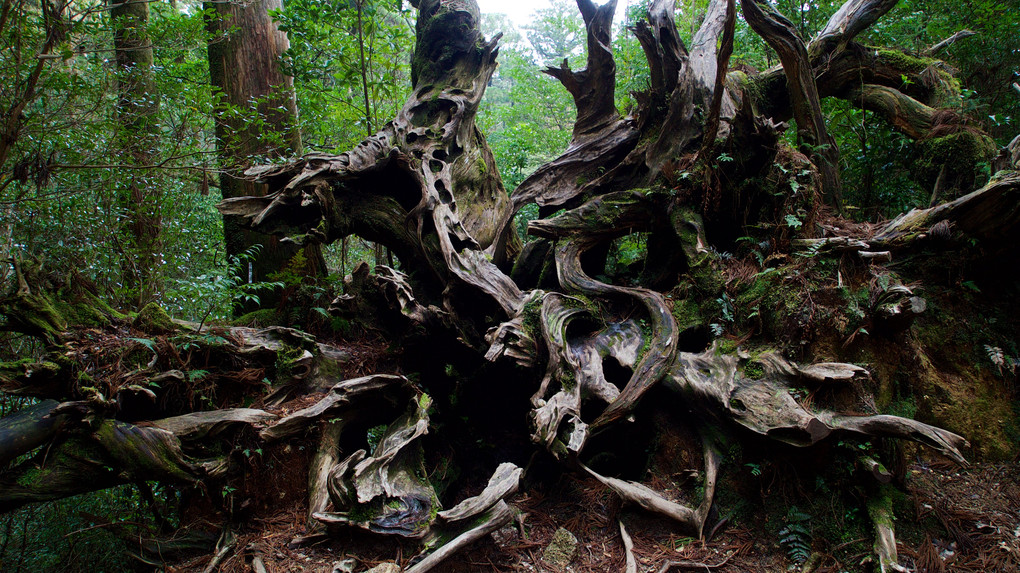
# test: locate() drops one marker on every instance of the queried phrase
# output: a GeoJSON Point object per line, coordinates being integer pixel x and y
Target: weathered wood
{"type": "Point", "coordinates": [990, 214]}
{"type": "Point", "coordinates": [881, 512]}
{"type": "Point", "coordinates": [876, 469]}
{"type": "Point", "coordinates": [493, 519]}
{"type": "Point", "coordinates": [852, 18]}
{"type": "Point", "coordinates": [503, 483]}
{"type": "Point", "coordinates": [387, 492]}
{"type": "Point", "coordinates": [111, 454]}
{"type": "Point", "coordinates": [628, 549]}
{"type": "Point", "coordinates": [326, 458]}
{"type": "Point", "coordinates": [813, 137]}
{"type": "Point", "coordinates": [938, 47]}
{"type": "Point", "coordinates": [26, 430]}
{"type": "Point", "coordinates": [200, 426]}
{"type": "Point", "coordinates": [342, 396]}
{"type": "Point", "coordinates": [766, 407]}
{"type": "Point", "coordinates": [593, 87]}
{"type": "Point", "coordinates": [426, 186]}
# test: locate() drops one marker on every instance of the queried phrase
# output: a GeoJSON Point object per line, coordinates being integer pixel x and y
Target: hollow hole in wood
{"type": "Point", "coordinates": [445, 197]}
{"type": "Point", "coordinates": [625, 258]}
{"type": "Point", "coordinates": [458, 243]}
{"type": "Point", "coordinates": [432, 113]}
{"type": "Point", "coordinates": [411, 137]}
{"type": "Point", "coordinates": [400, 184]}
{"type": "Point", "coordinates": [615, 373]}
{"type": "Point", "coordinates": [592, 409]}
{"type": "Point", "coordinates": [439, 154]}
{"type": "Point", "coordinates": [580, 328]}
{"type": "Point", "coordinates": [694, 339]}
{"type": "Point", "coordinates": [436, 166]}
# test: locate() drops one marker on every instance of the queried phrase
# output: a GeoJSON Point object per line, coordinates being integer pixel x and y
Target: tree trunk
{"type": "Point", "coordinates": [245, 47]}
{"type": "Point", "coordinates": [138, 118]}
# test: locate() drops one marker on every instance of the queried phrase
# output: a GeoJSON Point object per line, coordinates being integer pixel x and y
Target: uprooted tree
{"type": "Point", "coordinates": [558, 349]}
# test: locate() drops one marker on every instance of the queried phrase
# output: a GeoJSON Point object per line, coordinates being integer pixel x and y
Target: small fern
{"type": "Point", "coordinates": [997, 356]}
{"type": "Point", "coordinates": [795, 537]}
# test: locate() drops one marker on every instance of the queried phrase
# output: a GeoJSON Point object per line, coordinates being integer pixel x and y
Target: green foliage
{"type": "Point", "coordinates": [58, 190]}
{"type": "Point", "coordinates": [795, 536]}
{"type": "Point", "coordinates": [328, 63]}
{"type": "Point", "coordinates": [215, 295]}
{"type": "Point", "coordinates": [526, 115]}
{"type": "Point", "coordinates": [78, 534]}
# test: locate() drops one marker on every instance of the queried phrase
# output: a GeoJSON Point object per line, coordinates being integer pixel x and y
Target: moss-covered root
{"type": "Point", "coordinates": [44, 306]}
{"type": "Point", "coordinates": [881, 513]}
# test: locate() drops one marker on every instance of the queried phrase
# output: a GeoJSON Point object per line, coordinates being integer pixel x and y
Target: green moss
{"type": "Point", "coordinates": [902, 61]}
{"type": "Point", "coordinates": [880, 506]}
{"type": "Point", "coordinates": [20, 365]}
{"type": "Point", "coordinates": [962, 153]}
{"type": "Point", "coordinates": [707, 278]}
{"type": "Point", "coordinates": [285, 359]}
{"type": "Point", "coordinates": [726, 346]}
{"type": "Point", "coordinates": [35, 315]}
{"type": "Point", "coordinates": [154, 320]}
{"type": "Point", "coordinates": [532, 317]}
{"type": "Point", "coordinates": [28, 478]}
{"type": "Point", "coordinates": [754, 369]}
{"type": "Point", "coordinates": [261, 317]}
{"type": "Point", "coordinates": [568, 379]}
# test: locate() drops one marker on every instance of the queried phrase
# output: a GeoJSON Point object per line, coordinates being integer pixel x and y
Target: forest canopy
{"type": "Point", "coordinates": [340, 284]}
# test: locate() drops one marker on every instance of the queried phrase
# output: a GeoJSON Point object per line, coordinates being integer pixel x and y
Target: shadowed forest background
{"type": "Point", "coordinates": [499, 241]}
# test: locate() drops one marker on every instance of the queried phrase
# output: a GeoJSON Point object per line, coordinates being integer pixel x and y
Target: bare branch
{"type": "Point", "coordinates": [814, 138]}
{"type": "Point", "coordinates": [851, 19]}
{"type": "Point", "coordinates": [949, 42]}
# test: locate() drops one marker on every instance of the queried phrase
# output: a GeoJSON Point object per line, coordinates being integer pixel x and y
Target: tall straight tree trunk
{"type": "Point", "coordinates": [244, 52]}
{"type": "Point", "coordinates": [138, 137]}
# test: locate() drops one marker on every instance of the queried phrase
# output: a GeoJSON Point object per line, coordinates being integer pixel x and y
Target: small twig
{"type": "Point", "coordinates": [848, 543]}
{"type": "Point", "coordinates": [693, 565]}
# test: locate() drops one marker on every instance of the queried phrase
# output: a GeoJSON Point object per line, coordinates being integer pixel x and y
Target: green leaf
{"type": "Point", "coordinates": [150, 344]}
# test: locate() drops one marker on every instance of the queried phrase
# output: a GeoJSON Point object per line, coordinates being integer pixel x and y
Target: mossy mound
{"type": "Point", "coordinates": [260, 318]}
{"type": "Point", "coordinates": [154, 320]}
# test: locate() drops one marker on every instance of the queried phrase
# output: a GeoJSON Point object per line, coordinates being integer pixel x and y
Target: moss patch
{"type": "Point", "coordinates": [259, 318]}
{"type": "Point", "coordinates": [154, 320]}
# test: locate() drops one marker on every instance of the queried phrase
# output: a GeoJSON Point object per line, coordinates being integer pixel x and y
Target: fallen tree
{"type": "Point", "coordinates": [562, 349]}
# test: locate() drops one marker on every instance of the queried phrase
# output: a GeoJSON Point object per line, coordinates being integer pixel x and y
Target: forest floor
{"type": "Point", "coordinates": [963, 520]}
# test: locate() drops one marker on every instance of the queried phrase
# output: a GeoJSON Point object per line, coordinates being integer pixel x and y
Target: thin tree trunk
{"type": "Point", "coordinates": [138, 117]}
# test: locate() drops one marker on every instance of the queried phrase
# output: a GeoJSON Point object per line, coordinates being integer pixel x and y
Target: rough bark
{"type": "Point", "coordinates": [812, 135]}
{"type": "Point", "coordinates": [245, 47]}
